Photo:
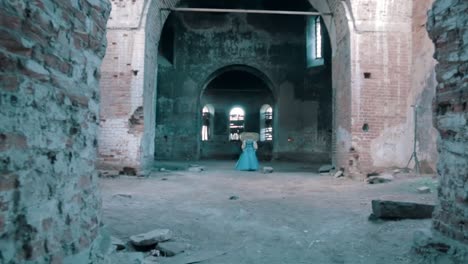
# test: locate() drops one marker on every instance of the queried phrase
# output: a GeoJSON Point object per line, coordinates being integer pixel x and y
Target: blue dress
{"type": "Point", "coordinates": [248, 159]}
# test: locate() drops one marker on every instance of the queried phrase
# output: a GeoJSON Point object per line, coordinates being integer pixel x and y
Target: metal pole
{"type": "Point", "coordinates": [247, 11]}
{"type": "Point", "coordinates": [414, 155]}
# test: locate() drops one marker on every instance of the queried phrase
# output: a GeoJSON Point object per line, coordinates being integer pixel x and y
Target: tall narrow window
{"type": "Point", "coordinates": [266, 123]}
{"type": "Point", "coordinates": [236, 123]}
{"type": "Point", "coordinates": [314, 42]}
{"type": "Point", "coordinates": [318, 38]}
{"type": "Point", "coordinates": [207, 122]}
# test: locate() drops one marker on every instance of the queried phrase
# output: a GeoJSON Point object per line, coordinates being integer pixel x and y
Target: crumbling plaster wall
{"type": "Point", "coordinates": [387, 44]}
{"type": "Point", "coordinates": [128, 84]}
{"type": "Point", "coordinates": [448, 28]}
{"type": "Point", "coordinates": [423, 88]}
{"type": "Point", "coordinates": [50, 58]}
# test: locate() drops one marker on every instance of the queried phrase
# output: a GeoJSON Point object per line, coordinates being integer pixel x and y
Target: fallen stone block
{"type": "Point", "coordinates": [151, 238]}
{"type": "Point", "coordinates": [392, 210]}
{"type": "Point", "coordinates": [339, 173]}
{"type": "Point", "coordinates": [380, 179]}
{"type": "Point", "coordinates": [117, 244]}
{"type": "Point", "coordinates": [424, 189]}
{"type": "Point", "coordinates": [326, 168]}
{"type": "Point", "coordinates": [267, 170]}
{"type": "Point", "coordinates": [371, 174]}
{"type": "Point", "coordinates": [170, 249]}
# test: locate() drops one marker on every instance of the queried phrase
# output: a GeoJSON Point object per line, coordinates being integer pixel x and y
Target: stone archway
{"type": "Point", "coordinates": [136, 149]}
{"type": "Point", "coordinates": [240, 67]}
{"type": "Point", "coordinates": [358, 73]}
{"type": "Point", "coordinates": [216, 148]}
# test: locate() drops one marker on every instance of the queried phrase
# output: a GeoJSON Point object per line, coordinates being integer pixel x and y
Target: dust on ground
{"type": "Point", "coordinates": [291, 216]}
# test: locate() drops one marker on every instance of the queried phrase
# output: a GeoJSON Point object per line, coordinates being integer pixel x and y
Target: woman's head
{"type": "Point", "coordinates": [249, 136]}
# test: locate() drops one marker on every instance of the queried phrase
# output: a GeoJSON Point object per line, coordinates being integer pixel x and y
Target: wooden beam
{"type": "Point", "coordinates": [247, 11]}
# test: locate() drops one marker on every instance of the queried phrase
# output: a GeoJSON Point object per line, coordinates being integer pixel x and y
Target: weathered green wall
{"type": "Point", "coordinates": [275, 46]}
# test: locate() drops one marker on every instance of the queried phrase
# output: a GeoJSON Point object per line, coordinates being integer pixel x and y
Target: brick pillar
{"type": "Point", "coordinates": [50, 56]}
{"type": "Point", "coordinates": [448, 28]}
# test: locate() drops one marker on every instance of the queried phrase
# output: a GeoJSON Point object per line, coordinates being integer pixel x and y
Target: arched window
{"type": "Point", "coordinates": [236, 123]}
{"type": "Point", "coordinates": [207, 122]}
{"type": "Point", "coordinates": [314, 42]}
{"type": "Point", "coordinates": [266, 123]}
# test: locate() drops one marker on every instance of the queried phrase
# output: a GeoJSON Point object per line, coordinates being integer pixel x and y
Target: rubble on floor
{"type": "Point", "coordinates": [394, 210]}
{"type": "Point", "coordinates": [326, 168]}
{"type": "Point", "coordinates": [424, 189]}
{"type": "Point", "coordinates": [380, 179]}
{"type": "Point", "coordinates": [170, 248]}
{"type": "Point", "coordinates": [148, 248]}
{"type": "Point", "coordinates": [108, 173]}
{"type": "Point", "coordinates": [151, 238]}
{"type": "Point", "coordinates": [117, 244]}
{"type": "Point", "coordinates": [339, 173]}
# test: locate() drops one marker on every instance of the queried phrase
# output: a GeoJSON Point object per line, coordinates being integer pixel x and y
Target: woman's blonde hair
{"type": "Point", "coordinates": [249, 135]}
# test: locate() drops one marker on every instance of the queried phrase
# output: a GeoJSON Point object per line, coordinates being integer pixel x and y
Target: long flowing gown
{"type": "Point", "coordinates": [248, 159]}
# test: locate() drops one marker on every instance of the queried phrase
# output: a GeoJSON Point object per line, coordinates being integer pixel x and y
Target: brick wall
{"type": "Point", "coordinates": [129, 83]}
{"type": "Point", "coordinates": [367, 36]}
{"type": "Point", "coordinates": [134, 24]}
{"type": "Point", "coordinates": [50, 56]}
{"type": "Point", "coordinates": [378, 130]}
{"type": "Point", "coordinates": [447, 26]}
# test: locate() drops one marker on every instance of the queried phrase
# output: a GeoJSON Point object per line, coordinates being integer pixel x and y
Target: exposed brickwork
{"type": "Point", "coordinates": [448, 28]}
{"type": "Point", "coordinates": [128, 82]}
{"type": "Point", "coordinates": [119, 145]}
{"type": "Point", "coordinates": [377, 119]}
{"type": "Point", "coordinates": [366, 36]}
{"type": "Point", "coordinates": [50, 56]}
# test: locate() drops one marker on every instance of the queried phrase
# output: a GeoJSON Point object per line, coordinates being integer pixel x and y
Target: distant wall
{"type": "Point", "coordinates": [274, 46]}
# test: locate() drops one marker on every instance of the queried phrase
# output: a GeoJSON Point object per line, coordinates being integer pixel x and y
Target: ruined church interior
{"type": "Point", "coordinates": [233, 131]}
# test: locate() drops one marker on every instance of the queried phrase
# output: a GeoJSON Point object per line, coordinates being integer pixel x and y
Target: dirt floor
{"type": "Point", "coordinates": [291, 216]}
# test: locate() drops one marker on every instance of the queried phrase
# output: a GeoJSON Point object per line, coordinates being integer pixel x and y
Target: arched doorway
{"type": "Point", "coordinates": [237, 96]}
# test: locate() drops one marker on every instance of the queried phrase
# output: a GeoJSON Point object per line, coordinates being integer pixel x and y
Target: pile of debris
{"type": "Point", "coordinates": [153, 246]}
{"type": "Point", "coordinates": [329, 169]}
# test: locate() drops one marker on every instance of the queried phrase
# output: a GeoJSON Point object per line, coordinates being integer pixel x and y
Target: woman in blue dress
{"type": "Point", "coordinates": [248, 159]}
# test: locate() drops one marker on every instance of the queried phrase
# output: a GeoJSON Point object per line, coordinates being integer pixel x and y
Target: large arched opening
{"type": "Point", "coordinates": [292, 54]}
{"type": "Point", "coordinates": [237, 95]}
{"type": "Point", "coordinates": [134, 146]}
